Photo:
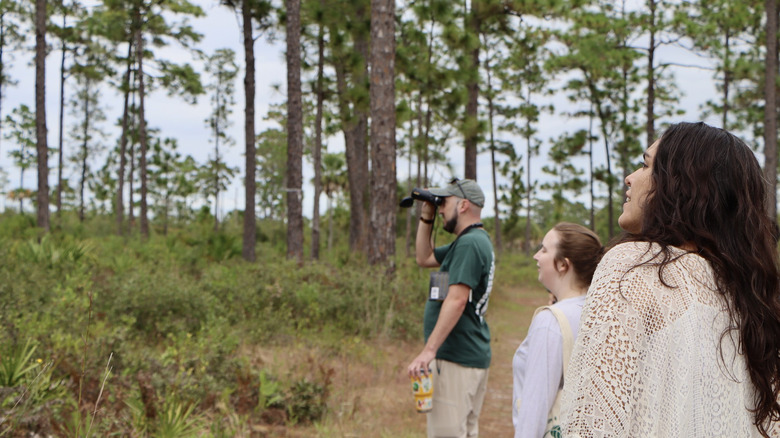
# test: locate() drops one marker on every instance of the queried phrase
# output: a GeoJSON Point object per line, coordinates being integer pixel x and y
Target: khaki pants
{"type": "Point", "coordinates": [458, 393]}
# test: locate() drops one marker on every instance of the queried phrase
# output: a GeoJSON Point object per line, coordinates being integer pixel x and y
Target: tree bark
{"type": "Point", "coordinates": [120, 207]}
{"type": "Point", "coordinates": [317, 149]}
{"type": "Point", "coordinates": [603, 119]}
{"type": "Point", "coordinates": [650, 127]}
{"type": "Point", "coordinates": [590, 170]}
{"type": "Point", "coordinates": [357, 159]}
{"type": "Point", "coordinates": [142, 127]}
{"type": "Point", "coordinates": [726, 79]}
{"type": "Point", "coordinates": [529, 147]}
{"type": "Point", "coordinates": [60, 145]}
{"type": "Point", "coordinates": [496, 220]}
{"type": "Point", "coordinates": [294, 133]}
{"type": "Point", "coordinates": [250, 228]}
{"type": "Point", "coordinates": [770, 109]}
{"type": "Point", "coordinates": [130, 182]}
{"type": "Point", "coordinates": [472, 104]}
{"type": "Point", "coordinates": [216, 168]}
{"type": "Point", "coordinates": [2, 67]}
{"type": "Point", "coordinates": [40, 115]}
{"type": "Point", "coordinates": [84, 151]}
{"type": "Point", "coordinates": [383, 181]}
{"type": "Point", "coordinates": [354, 128]}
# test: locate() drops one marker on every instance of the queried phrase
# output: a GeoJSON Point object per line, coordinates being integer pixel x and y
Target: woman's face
{"type": "Point", "coordinates": [639, 185]}
{"type": "Point", "coordinates": [545, 260]}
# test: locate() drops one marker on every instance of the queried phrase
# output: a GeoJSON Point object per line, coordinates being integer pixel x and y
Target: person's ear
{"type": "Point", "coordinates": [563, 266]}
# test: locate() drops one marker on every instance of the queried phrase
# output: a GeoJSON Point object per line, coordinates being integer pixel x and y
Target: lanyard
{"type": "Point", "coordinates": [469, 228]}
{"type": "Point", "coordinates": [465, 230]}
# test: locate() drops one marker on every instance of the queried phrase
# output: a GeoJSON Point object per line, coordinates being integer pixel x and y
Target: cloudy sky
{"type": "Point", "coordinates": [220, 28]}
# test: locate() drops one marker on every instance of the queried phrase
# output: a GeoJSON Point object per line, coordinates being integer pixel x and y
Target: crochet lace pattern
{"type": "Point", "coordinates": [651, 360]}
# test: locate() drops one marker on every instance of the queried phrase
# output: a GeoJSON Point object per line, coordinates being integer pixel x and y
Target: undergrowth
{"type": "Point", "coordinates": [179, 316]}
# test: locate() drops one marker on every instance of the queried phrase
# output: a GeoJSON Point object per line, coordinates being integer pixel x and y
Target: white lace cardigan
{"type": "Point", "coordinates": [651, 361]}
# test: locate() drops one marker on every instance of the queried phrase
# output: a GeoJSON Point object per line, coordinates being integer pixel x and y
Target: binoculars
{"type": "Point", "coordinates": [422, 195]}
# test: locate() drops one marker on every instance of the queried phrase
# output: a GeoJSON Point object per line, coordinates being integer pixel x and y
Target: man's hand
{"type": "Point", "coordinates": [420, 364]}
{"type": "Point", "coordinates": [428, 210]}
{"type": "Point", "coordinates": [423, 246]}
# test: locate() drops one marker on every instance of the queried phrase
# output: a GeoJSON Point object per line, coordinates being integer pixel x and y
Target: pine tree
{"type": "Point", "coordinates": [252, 12]}
{"type": "Point", "coordinates": [770, 111]}
{"type": "Point", "coordinates": [383, 123]}
{"type": "Point", "coordinates": [223, 71]}
{"type": "Point", "coordinates": [294, 132]}
{"type": "Point", "coordinates": [40, 115]}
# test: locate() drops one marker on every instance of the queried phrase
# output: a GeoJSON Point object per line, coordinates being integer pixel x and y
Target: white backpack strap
{"type": "Point", "coordinates": [566, 334]}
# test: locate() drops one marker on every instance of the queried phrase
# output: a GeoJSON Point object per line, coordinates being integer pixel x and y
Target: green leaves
{"type": "Point", "coordinates": [16, 363]}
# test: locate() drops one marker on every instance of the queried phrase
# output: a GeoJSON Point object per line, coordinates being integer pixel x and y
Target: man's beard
{"type": "Point", "coordinates": [450, 225]}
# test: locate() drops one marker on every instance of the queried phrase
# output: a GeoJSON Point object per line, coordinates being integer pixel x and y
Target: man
{"type": "Point", "coordinates": [456, 334]}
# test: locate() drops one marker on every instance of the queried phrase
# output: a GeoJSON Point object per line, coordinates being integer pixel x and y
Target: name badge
{"type": "Point", "coordinates": [439, 286]}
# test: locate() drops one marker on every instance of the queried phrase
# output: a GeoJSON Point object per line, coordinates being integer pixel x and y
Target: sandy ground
{"type": "Point", "coordinates": [371, 395]}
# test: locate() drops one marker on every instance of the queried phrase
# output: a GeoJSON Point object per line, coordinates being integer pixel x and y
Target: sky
{"type": "Point", "coordinates": [176, 119]}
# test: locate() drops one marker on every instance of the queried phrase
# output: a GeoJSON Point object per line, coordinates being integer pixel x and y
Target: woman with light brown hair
{"type": "Point", "coordinates": [566, 260]}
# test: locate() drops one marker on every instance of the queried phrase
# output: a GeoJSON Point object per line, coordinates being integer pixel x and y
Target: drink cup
{"type": "Point", "coordinates": [422, 388]}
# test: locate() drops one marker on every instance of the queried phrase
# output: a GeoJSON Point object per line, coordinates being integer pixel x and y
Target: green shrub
{"type": "Point", "coordinates": [307, 402]}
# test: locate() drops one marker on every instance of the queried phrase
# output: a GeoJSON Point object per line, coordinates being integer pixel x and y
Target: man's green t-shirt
{"type": "Point", "coordinates": [468, 260]}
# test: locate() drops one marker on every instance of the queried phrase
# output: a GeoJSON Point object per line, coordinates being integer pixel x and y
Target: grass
{"type": "Point", "coordinates": [178, 336]}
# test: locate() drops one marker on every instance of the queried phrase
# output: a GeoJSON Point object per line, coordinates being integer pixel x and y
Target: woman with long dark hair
{"type": "Point", "coordinates": [680, 334]}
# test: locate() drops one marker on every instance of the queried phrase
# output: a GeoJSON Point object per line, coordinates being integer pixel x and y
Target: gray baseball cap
{"type": "Point", "coordinates": [465, 188]}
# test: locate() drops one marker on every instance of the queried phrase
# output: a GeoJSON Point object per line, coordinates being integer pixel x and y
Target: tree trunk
{"type": "Point", "coordinates": [603, 121]}
{"type": "Point", "coordinates": [411, 213]}
{"type": "Point", "coordinates": [726, 79]}
{"type": "Point", "coordinates": [650, 127]}
{"type": "Point", "coordinates": [356, 155]}
{"type": "Point", "coordinates": [472, 104]}
{"type": "Point", "coordinates": [142, 128]}
{"type": "Point", "coordinates": [317, 149]}
{"type": "Point", "coordinates": [21, 182]}
{"type": "Point", "coordinates": [40, 114]}
{"type": "Point", "coordinates": [216, 168]}
{"type": "Point", "coordinates": [383, 181]}
{"type": "Point", "coordinates": [120, 207]}
{"type": "Point", "coordinates": [165, 214]}
{"type": "Point", "coordinates": [527, 241]}
{"type": "Point", "coordinates": [330, 223]}
{"type": "Point", "coordinates": [294, 133]}
{"type": "Point", "coordinates": [250, 228]}
{"type": "Point", "coordinates": [2, 67]}
{"type": "Point", "coordinates": [770, 109]}
{"type": "Point", "coordinates": [131, 210]}
{"type": "Point", "coordinates": [359, 177]}
{"type": "Point", "coordinates": [84, 152]}
{"type": "Point", "coordinates": [60, 146]}
{"type": "Point", "coordinates": [590, 170]}
{"type": "Point", "coordinates": [497, 221]}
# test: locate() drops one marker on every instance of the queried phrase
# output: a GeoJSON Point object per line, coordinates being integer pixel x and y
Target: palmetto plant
{"type": "Point", "coordinates": [15, 363]}
{"type": "Point", "coordinates": [49, 253]}
{"type": "Point", "coordinates": [177, 420]}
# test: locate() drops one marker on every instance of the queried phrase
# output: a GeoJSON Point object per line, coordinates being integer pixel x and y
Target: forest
{"type": "Point", "coordinates": [134, 303]}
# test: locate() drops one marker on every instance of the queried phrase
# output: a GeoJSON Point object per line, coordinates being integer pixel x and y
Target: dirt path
{"type": "Point", "coordinates": [509, 315]}
{"type": "Point", "coordinates": [371, 395]}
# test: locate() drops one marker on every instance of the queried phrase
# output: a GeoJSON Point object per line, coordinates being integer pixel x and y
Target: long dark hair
{"type": "Point", "coordinates": [708, 190]}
